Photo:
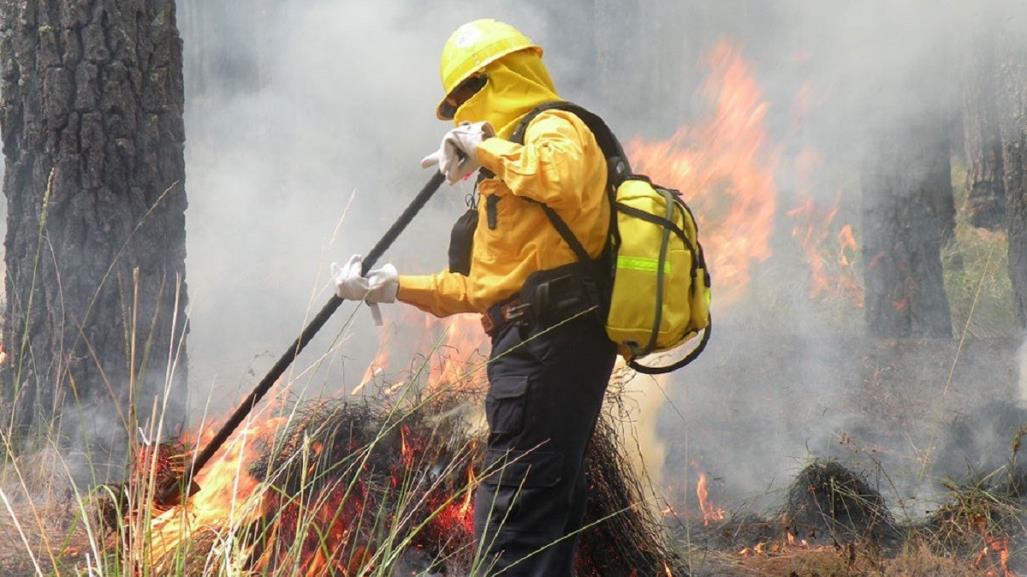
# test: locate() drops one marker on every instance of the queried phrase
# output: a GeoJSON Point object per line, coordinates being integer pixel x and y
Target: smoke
{"type": "Point", "coordinates": [306, 121]}
{"type": "Point", "coordinates": [1022, 357]}
{"type": "Point", "coordinates": [310, 114]}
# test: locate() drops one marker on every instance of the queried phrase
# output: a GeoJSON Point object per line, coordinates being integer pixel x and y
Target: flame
{"type": "Point", "coordinates": [710, 512]}
{"type": "Point", "coordinates": [405, 448]}
{"type": "Point", "coordinates": [449, 346]}
{"type": "Point", "coordinates": [832, 274]}
{"type": "Point", "coordinates": [723, 171]}
{"type": "Point", "coordinates": [226, 485]}
{"type": "Point", "coordinates": [791, 541]}
{"type": "Point", "coordinates": [999, 545]}
{"type": "Point", "coordinates": [785, 546]}
{"type": "Point", "coordinates": [472, 483]}
{"type": "Point", "coordinates": [463, 337]}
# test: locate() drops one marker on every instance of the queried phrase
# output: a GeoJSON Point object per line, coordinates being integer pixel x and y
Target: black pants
{"type": "Point", "coordinates": [545, 392]}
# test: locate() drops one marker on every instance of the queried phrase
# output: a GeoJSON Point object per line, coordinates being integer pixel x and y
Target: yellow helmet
{"type": "Point", "coordinates": [474, 46]}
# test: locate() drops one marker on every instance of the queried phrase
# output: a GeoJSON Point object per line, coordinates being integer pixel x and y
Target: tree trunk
{"type": "Point", "coordinates": [907, 215]}
{"type": "Point", "coordinates": [981, 135]}
{"type": "Point", "coordinates": [1013, 120]}
{"type": "Point", "coordinates": [93, 139]}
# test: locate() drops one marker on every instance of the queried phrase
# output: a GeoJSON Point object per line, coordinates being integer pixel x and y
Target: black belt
{"type": "Point", "coordinates": [499, 316]}
{"type": "Point", "coordinates": [548, 296]}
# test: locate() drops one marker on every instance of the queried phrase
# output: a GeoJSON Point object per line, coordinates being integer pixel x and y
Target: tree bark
{"type": "Point", "coordinates": [1013, 120]}
{"type": "Point", "coordinates": [908, 214]}
{"type": "Point", "coordinates": [91, 117]}
{"type": "Point", "coordinates": [982, 137]}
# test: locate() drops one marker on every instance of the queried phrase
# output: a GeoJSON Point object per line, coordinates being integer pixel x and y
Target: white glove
{"type": "Point", "coordinates": [457, 156]}
{"type": "Point", "coordinates": [379, 286]}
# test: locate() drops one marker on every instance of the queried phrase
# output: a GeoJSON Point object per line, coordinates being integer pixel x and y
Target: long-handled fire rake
{"type": "Point", "coordinates": [169, 494]}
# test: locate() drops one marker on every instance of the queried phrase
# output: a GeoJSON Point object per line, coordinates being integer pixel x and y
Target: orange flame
{"type": "Point", "coordinates": [449, 345]}
{"type": "Point", "coordinates": [405, 448]}
{"type": "Point", "coordinates": [723, 171]}
{"type": "Point", "coordinates": [832, 274]}
{"type": "Point", "coordinates": [225, 483]}
{"type": "Point", "coordinates": [463, 338]}
{"type": "Point", "coordinates": [710, 512]}
{"type": "Point", "coordinates": [1001, 546]}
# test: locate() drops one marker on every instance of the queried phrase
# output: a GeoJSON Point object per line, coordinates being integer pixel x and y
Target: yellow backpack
{"type": "Point", "coordinates": [657, 295]}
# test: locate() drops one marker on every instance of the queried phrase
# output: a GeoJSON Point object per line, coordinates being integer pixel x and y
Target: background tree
{"type": "Point", "coordinates": [1012, 96]}
{"type": "Point", "coordinates": [907, 215]}
{"type": "Point", "coordinates": [982, 137]}
{"type": "Point", "coordinates": [92, 103]}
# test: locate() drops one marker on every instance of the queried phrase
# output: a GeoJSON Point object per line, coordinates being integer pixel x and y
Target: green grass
{"type": "Point", "coordinates": [976, 275]}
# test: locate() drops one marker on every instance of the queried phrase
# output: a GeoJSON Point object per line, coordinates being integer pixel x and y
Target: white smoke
{"type": "Point", "coordinates": [299, 113]}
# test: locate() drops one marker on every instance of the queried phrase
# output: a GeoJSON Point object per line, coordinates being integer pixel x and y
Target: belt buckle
{"type": "Point", "coordinates": [513, 312]}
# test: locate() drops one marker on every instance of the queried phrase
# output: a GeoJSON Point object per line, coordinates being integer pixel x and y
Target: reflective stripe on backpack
{"type": "Point", "coordinates": [659, 287]}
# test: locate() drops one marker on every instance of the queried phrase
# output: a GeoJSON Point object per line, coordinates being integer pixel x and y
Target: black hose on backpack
{"type": "Point", "coordinates": [691, 356]}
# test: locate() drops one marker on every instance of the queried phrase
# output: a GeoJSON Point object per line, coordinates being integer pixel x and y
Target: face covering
{"type": "Point", "coordinates": [517, 83]}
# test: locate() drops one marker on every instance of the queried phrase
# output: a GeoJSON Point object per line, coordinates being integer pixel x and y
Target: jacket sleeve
{"type": "Point", "coordinates": [441, 294]}
{"type": "Point", "coordinates": [552, 164]}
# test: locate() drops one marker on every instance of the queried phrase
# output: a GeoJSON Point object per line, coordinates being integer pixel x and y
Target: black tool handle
{"type": "Point", "coordinates": [310, 330]}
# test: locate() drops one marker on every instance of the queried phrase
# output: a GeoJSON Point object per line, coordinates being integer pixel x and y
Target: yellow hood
{"type": "Point", "coordinates": [517, 83]}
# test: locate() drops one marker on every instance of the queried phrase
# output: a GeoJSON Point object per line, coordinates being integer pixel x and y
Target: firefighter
{"type": "Point", "coordinates": [551, 359]}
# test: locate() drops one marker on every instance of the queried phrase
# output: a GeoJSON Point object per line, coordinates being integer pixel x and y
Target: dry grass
{"type": "Point", "coordinates": [915, 560]}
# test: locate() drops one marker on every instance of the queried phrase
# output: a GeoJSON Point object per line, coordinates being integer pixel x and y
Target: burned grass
{"type": "Point", "coordinates": [352, 484]}
{"type": "Point", "coordinates": [830, 505]}
{"type": "Point", "coordinates": [364, 457]}
{"type": "Point", "coordinates": [623, 534]}
{"type": "Point", "coordinates": [383, 487]}
{"type": "Point", "coordinates": [835, 524]}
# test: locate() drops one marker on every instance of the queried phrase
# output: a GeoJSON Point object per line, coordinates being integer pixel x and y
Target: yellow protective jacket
{"type": "Point", "coordinates": [559, 164]}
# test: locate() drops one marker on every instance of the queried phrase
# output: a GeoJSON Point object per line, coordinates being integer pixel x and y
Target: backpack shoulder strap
{"type": "Point", "coordinates": [616, 162]}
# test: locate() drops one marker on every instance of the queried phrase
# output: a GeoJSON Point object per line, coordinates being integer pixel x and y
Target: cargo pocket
{"type": "Point", "coordinates": [504, 404]}
{"type": "Point", "coordinates": [519, 495]}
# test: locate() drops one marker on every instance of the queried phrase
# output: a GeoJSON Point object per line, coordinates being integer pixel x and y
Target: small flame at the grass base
{"type": "Point", "coordinates": [707, 509]}
{"type": "Point", "coordinates": [999, 545]}
{"type": "Point", "coordinates": [710, 512]}
{"type": "Point", "coordinates": [723, 171]}
{"type": "Point", "coordinates": [789, 544]}
{"type": "Point", "coordinates": [225, 487]}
